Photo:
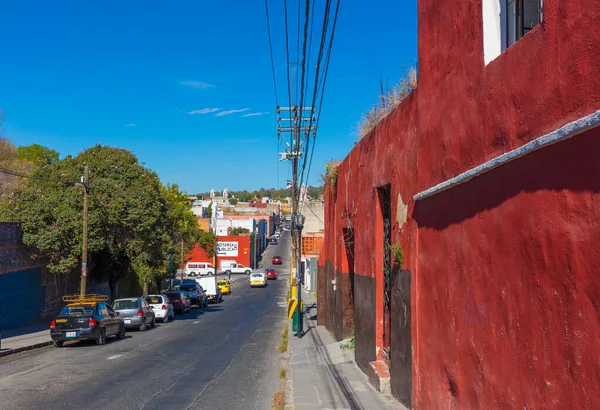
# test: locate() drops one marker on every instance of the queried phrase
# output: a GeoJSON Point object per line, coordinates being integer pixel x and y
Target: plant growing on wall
{"type": "Point", "coordinates": [331, 173]}
{"type": "Point", "coordinates": [388, 101]}
{"type": "Point", "coordinates": [397, 253]}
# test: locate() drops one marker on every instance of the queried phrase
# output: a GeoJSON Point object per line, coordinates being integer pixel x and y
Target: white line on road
{"type": "Point", "coordinates": [114, 357]}
{"type": "Point", "coordinates": [196, 322]}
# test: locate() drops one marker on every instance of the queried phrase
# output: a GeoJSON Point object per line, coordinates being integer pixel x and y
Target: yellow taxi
{"type": "Point", "coordinates": [224, 286]}
{"type": "Point", "coordinates": [258, 279]}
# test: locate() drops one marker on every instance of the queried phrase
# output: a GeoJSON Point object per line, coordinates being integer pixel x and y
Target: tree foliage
{"type": "Point", "coordinates": [37, 155]}
{"type": "Point", "coordinates": [134, 221]}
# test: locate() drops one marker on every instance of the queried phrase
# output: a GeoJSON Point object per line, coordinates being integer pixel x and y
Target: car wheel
{"type": "Point", "coordinates": [248, 272]}
{"type": "Point", "coordinates": [121, 334]}
{"type": "Point", "coordinates": [101, 339]}
{"type": "Point", "coordinates": [143, 326]}
{"type": "Point", "coordinates": [227, 272]}
{"type": "Point", "coordinates": [56, 343]}
{"type": "Point", "coordinates": [153, 324]}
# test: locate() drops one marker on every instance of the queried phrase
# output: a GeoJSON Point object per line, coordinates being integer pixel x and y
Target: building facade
{"type": "Point", "coordinates": [462, 234]}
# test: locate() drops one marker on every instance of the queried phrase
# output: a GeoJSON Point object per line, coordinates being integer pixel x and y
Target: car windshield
{"type": "Point", "coordinates": [257, 275]}
{"type": "Point", "coordinates": [77, 310]}
{"type": "Point", "coordinates": [125, 304]}
{"type": "Point", "coordinates": [154, 300]}
{"type": "Point", "coordinates": [222, 282]}
{"type": "Point", "coordinates": [187, 288]}
{"type": "Point", "coordinates": [276, 257]}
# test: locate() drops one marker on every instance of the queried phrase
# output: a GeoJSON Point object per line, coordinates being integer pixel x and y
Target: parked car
{"type": "Point", "coordinates": [258, 279]}
{"type": "Point", "coordinates": [86, 318]}
{"type": "Point", "coordinates": [181, 303]}
{"type": "Point", "coordinates": [136, 313]}
{"type": "Point", "coordinates": [273, 240]}
{"type": "Point", "coordinates": [277, 260]}
{"type": "Point", "coordinates": [224, 286]}
{"type": "Point", "coordinates": [194, 292]}
{"type": "Point", "coordinates": [199, 269]}
{"type": "Point", "coordinates": [270, 273]}
{"type": "Point", "coordinates": [162, 307]}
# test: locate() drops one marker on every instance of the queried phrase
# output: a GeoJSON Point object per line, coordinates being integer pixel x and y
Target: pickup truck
{"type": "Point", "coordinates": [236, 268]}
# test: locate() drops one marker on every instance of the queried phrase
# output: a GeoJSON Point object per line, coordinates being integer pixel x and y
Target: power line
{"type": "Point", "coordinates": [18, 174]}
{"type": "Point", "coordinates": [328, 59]}
{"type": "Point", "coordinates": [287, 56]}
{"type": "Point", "coordinates": [304, 42]}
{"type": "Point", "coordinates": [271, 51]}
{"type": "Point", "coordinates": [316, 84]}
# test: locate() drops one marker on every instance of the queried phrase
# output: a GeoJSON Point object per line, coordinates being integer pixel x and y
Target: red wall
{"type": "Point", "coordinates": [505, 295]}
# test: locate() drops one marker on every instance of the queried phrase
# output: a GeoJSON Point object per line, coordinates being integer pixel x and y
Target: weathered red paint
{"type": "Point", "coordinates": [505, 290]}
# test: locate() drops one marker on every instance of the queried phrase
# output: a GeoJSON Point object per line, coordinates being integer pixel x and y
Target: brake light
{"type": "Point", "coordinates": [140, 312]}
{"type": "Point", "coordinates": [52, 324]}
{"type": "Point", "coordinates": [92, 322]}
{"type": "Point", "coordinates": [163, 307]}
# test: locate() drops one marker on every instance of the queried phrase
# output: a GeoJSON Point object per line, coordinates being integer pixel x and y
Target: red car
{"type": "Point", "coordinates": [277, 260]}
{"type": "Point", "coordinates": [271, 274]}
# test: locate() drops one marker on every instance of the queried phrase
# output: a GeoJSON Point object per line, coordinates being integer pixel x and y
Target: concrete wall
{"type": "Point", "coordinates": [504, 292]}
{"type": "Point", "coordinates": [313, 220]}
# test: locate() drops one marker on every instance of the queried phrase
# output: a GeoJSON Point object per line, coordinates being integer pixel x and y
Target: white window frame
{"type": "Point", "coordinates": [496, 19]}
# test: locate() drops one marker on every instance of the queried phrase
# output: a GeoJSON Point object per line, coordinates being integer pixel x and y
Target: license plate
{"type": "Point", "coordinates": [71, 334]}
{"type": "Point", "coordinates": [127, 321]}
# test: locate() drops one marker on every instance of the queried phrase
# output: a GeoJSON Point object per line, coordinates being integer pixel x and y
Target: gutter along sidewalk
{"type": "Point", "coordinates": [324, 376]}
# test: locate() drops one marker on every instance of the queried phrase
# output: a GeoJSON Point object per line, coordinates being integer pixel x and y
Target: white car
{"type": "Point", "coordinates": [161, 306]}
{"type": "Point", "coordinates": [258, 279]}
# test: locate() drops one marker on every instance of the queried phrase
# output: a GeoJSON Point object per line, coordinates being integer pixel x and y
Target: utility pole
{"type": "Point", "coordinates": [84, 182]}
{"type": "Point", "coordinates": [215, 219]}
{"type": "Point", "coordinates": [301, 124]}
{"type": "Point", "coordinates": [170, 269]}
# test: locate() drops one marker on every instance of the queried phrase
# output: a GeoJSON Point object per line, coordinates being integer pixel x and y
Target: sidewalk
{"type": "Point", "coordinates": [28, 341]}
{"type": "Point", "coordinates": [324, 376]}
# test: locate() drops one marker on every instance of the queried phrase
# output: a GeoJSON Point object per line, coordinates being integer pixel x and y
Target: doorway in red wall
{"type": "Point", "coordinates": [385, 206]}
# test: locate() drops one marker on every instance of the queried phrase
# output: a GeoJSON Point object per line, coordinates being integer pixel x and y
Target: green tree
{"type": "Point", "coordinates": [207, 241]}
{"type": "Point", "coordinates": [37, 155]}
{"type": "Point", "coordinates": [240, 232]}
{"type": "Point", "coordinates": [127, 214]}
{"type": "Point", "coordinates": [233, 201]}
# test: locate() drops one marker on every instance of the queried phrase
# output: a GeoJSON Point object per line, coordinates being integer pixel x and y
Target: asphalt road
{"type": "Point", "coordinates": [223, 358]}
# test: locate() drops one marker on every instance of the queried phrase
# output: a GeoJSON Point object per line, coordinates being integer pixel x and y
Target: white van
{"type": "Point", "coordinates": [199, 269]}
{"type": "Point", "coordinates": [213, 293]}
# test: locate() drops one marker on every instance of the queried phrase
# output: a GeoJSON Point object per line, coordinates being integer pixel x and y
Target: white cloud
{"type": "Point", "coordinates": [223, 113]}
{"type": "Point", "coordinates": [203, 111]}
{"type": "Point", "coordinates": [130, 125]}
{"type": "Point", "coordinates": [197, 84]}
{"type": "Point", "coordinates": [254, 114]}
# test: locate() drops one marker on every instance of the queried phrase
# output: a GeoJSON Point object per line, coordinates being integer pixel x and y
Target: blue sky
{"type": "Point", "coordinates": [149, 76]}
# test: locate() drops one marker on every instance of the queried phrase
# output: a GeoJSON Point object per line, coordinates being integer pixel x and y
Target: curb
{"type": "Point", "coordinates": [25, 348]}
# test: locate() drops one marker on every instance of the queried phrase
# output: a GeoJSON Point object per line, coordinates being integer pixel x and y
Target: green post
{"type": "Point", "coordinates": [170, 270]}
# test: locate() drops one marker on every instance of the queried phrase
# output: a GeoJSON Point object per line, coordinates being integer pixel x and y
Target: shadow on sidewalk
{"type": "Point", "coordinates": [25, 330]}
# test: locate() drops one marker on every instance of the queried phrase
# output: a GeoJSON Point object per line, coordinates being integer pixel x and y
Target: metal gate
{"type": "Point", "coordinates": [386, 214]}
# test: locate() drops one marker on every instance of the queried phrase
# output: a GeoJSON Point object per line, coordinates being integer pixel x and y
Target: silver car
{"type": "Point", "coordinates": [136, 313]}
{"type": "Point", "coordinates": [162, 307]}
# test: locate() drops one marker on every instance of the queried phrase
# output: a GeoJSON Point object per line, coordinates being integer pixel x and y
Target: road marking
{"type": "Point", "coordinates": [114, 357]}
{"type": "Point", "coordinates": [196, 322]}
